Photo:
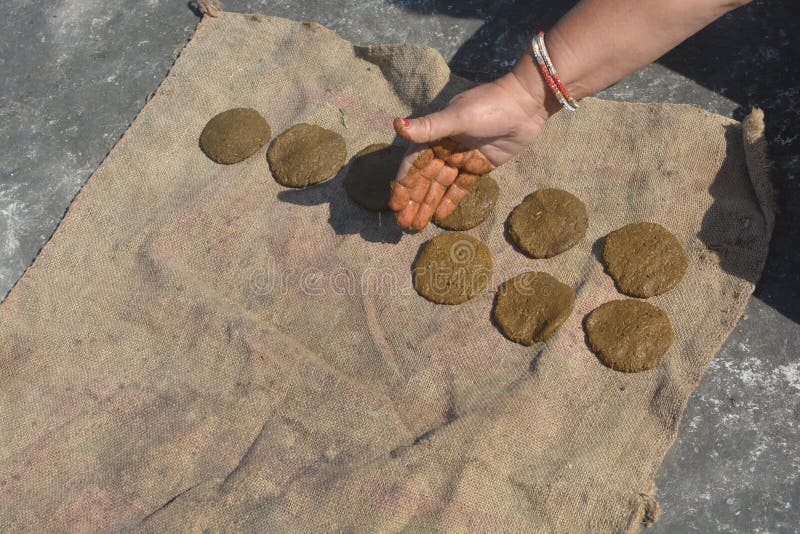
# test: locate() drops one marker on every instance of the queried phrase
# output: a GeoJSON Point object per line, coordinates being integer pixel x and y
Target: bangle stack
{"type": "Point", "coordinates": [550, 75]}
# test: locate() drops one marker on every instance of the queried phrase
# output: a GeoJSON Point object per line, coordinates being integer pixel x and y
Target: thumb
{"type": "Point", "coordinates": [429, 128]}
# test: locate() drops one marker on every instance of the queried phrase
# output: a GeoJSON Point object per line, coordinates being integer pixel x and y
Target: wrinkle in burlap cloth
{"type": "Point", "coordinates": [197, 348]}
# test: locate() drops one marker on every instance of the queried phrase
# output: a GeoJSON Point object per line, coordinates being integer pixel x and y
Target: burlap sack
{"type": "Point", "coordinates": [198, 348]}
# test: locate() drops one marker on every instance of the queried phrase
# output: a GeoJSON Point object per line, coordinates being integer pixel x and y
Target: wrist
{"type": "Point", "coordinates": [527, 75]}
{"type": "Point", "coordinates": [563, 58]}
{"type": "Point", "coordinates": [569, 68]}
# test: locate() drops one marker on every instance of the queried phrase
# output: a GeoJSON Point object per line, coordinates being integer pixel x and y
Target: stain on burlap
{"type": "Point", "coordinates": [191, 352]}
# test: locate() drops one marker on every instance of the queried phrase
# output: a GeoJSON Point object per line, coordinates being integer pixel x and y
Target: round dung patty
{"type": "Point", "coordinates": [548, 222]}
{"type": "Point", "coordinates": [452, 268]}
{"type": "Point", "coordinates": [531, 306]}
{"type": "Point", "coordinates": [629, 335]}
{"type": "Point", "coordinates": [369, 178]}
{"type": "Point", "coordinates": [234, 135]}
{"type": "Point", "coordinates": [306, 154]}
{"type": "Point", "coordinates": [644, 259]}
{"type": "Point", "coordinates": [473, 208]}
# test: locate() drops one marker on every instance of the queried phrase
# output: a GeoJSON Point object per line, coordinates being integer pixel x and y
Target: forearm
{"type": "Point", "coordinates": [601, 41]}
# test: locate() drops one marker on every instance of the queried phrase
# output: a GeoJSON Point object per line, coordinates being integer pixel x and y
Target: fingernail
{"type": "Point", "coordinates": [406, 123]}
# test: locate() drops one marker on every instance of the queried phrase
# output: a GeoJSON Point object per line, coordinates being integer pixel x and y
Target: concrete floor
{"type": "Point", "coordinates": [74, 74]}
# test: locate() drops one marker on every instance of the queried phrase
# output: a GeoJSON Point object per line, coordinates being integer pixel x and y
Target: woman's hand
{"type": "Point", "coordinates": [592, 46]}
{"type": "Point", "coordinates": [479, 130]}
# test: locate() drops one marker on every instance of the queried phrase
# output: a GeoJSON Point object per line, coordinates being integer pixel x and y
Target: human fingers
{"type": "Point", "coordinates": [429, 128]}
{"type": "Point", "coordinates": [408, 160]}
{"type": "Point", "coordinates": [417, 191]}
{"type": "Point", "coordinates": [445, 148]}
{"type": "Point", "coordinates": [405, 217]}
{"type": "Point", "coordinates": [434, 196]}
{"type": "Point", "coordinates": [407, 175]}
{"type": "Point", "coordinates": [455, 193]}
{"type": "Point", "coordinates": [477, 164]}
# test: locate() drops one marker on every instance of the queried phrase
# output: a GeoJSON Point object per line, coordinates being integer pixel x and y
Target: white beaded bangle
{"type": "Point", "coordinates": [540, 59]}
{"type": "Point", "coordinates": [547, 61]}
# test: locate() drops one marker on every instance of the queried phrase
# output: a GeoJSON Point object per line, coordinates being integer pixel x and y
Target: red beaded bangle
{"type": "Point", "coordinates": [551, 83]}
{"type": "Point", "coordinates": [552, 70]}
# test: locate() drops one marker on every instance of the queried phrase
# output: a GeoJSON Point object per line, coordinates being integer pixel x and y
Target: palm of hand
{"type": "Point", "coordinates": [495, 121]}
{"type": "Point", "coordinates": [485, 127]}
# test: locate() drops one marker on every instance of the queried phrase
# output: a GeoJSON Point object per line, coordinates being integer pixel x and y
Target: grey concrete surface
{"type": "Point", "coordinates": [74, 74]}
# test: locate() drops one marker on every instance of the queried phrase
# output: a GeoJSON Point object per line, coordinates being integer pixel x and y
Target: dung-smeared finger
{"type": "Point", "coordinates": [458, 158]}
{"type": "Point", "coordinates": [400, 197]}
{"type": "Point", "coordinates": [432, 169]}
{"type": "Point", "coordinates": [477, 164]}
{"type": "Point", "coordinates": [446, 207]}
{"type": "Point", "coordinates": [444, 148]}
{"type": "Point", "coordinates": [424, 158]}
{"type": "Point", "coordinates": [453, 196]}
{"type": "Point", "coordinates": [466, 180]}
{"type": "Point", "coordinates": [423, 217]}
{"type": "Point", "coordinates": [411, 178]}
{"type": "Point", "coordinates": [405, 217]}
{"type": "Point", "coordinates": [446, 176]}
{"type": "Point", "coordinates": [420, 189]}
{"type": "Point", "coordinates": [434, 196]}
